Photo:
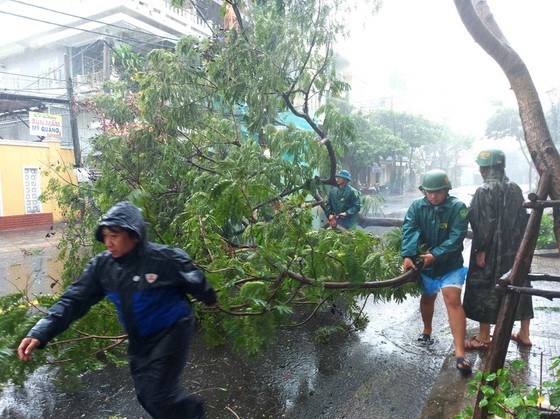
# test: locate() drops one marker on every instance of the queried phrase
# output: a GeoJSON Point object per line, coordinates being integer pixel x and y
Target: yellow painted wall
{"type": "Point", "coordinates": [14, 156]}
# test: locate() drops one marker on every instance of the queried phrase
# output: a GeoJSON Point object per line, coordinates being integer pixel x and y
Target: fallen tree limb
{"type": "Point", "coordinates": [405, 278]}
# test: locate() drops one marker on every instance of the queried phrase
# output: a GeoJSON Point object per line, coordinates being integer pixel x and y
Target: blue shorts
{"type": "Point", "coordinates": [454, 278]}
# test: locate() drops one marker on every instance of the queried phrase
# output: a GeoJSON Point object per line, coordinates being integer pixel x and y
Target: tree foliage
{"type": "Point", "coordinates": [405, 142]}
{"type": "Point", "coordinates": [195, 138]}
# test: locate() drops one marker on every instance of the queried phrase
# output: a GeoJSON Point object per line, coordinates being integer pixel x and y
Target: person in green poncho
{"type": "Point", "coordinates": [343, 203]}
{"type": "Point", "coordinates": [498, 222]}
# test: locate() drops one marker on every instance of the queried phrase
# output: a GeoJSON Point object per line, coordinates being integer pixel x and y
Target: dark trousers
{"type": "Point", "coordinates": [157, 375]}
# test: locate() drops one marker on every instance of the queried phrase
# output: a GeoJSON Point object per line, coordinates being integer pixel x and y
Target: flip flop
{"type": "Point", "coordinates": [475, 344]}
{"type": "Point", "coordinates": [463, 366]}
{"type": "Point", "coordinates": [425, 340]}
{"type": "Point", "coordinates": [515, 338]}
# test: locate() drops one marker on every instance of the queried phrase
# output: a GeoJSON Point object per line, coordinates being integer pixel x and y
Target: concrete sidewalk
{"type": "Point", "coordinates": [448, 395]}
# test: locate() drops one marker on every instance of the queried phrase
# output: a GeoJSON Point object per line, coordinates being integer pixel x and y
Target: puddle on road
{"type": "Point", "coordinates": [31, 273]}
{"type": "Point", "coordinates": [30, 401]}
{"type": "Point", "coordinates": [36, 278]}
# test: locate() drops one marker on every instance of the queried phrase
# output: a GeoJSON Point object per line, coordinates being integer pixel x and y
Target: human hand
{"type": "Point", "coordinates": [26, 347]}
{"type": "Point", "coordinates": [210, 298]}
{"type": "Point", "coordinates": [407, 264]}
{"type": "Point", "coordinates": [343, 214]}
{"type": "Point", "coordinates": [428, 259]}
{"type": "Point", "coordinates": [481, 259]}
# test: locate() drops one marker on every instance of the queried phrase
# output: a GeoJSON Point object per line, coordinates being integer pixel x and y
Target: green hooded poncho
{"type": "Point", "coordinates": [498, 222]}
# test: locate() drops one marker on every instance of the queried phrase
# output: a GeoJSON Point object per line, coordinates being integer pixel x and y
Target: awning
{"type": "Point", "coordinates": [13, 103]}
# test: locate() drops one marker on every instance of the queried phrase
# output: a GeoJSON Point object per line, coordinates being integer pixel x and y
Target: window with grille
{"type": "Point", "coordinates": [31, 190]}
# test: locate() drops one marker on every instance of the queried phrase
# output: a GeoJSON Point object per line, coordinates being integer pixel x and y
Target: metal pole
{"type": "Point", "coordinates": [73, 121]}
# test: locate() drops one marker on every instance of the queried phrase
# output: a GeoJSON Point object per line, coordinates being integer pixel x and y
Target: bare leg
{"type": "Point", "coordinates": [457, 319]}
{"type": "Point", "coordinates": [483, 332]}
{"type": "Point", "coordinates": [427, 312]}
{"type": "Point", "coordinates": [522, 337]}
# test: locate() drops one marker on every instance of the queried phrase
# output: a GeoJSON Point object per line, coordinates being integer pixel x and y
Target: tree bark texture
{"type": "Point", "coordinates": [480, 23]}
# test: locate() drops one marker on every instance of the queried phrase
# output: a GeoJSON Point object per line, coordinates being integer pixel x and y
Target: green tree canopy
{"type": "Point", "coordinates": [192, 137]}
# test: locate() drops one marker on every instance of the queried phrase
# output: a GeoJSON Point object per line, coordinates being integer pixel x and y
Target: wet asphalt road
{"type": "Point", "coordinates": [379, 372]}
{"type": "Point", "coordinates": [376, 373]}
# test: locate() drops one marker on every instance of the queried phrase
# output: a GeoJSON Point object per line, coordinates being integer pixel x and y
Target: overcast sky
{"type": "Point", "coordinates": [436, 67]}
{"type": "Point", "coordinates": [416, 55]}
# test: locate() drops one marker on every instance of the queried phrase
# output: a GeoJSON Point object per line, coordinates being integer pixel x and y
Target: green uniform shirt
{"type": "Point", "coordinates": [346, 200]}
{"type": "Point", "coordinates": [441, 229]}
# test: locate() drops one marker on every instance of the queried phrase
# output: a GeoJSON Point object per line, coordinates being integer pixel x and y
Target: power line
{"type": "Point", "coordinates": [39, 79]}
{"type": "Point", "coordinates": [130, 42]}
{"type": "Point", "coordinates": [60, 66]}
{"type": "Point", "coordinates": [30, 76]}
{"type": "Point", "coordinates": [123, 40]}
{"type": "Point", "coordinates": [95, 21]}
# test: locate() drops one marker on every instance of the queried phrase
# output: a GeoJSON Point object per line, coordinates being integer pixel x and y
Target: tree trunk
{"type": "Point", "coordinates": [480, 23]}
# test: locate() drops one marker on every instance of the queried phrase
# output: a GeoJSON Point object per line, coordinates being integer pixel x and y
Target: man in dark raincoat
{"type": "Point", "coordinates": [343, 203]}
{"type": "Point", "coordinates": [498, 222]}
{"type": "Point", "coordinates": [148, 283]}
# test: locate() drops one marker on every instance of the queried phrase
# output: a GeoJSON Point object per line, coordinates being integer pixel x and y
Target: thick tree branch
{"type": "Point", "coordinates": [483, 28]}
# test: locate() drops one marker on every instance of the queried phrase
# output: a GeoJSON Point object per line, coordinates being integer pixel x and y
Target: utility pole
{"type": "Point", "coordinates": [106, 60]}
{"type": "Point", "coordinates": [73, 121]}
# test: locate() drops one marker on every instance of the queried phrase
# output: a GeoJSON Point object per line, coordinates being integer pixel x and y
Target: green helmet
{"type": "Point", "coordinates": [344, 174]}
{"type": "Point", "coordinates": [487, 158]}
{"type": "Point", "coordinates": [434, 180]}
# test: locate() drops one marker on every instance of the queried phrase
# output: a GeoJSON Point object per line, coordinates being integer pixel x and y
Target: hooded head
{"type": "Point", "coordinates": [125, 215]}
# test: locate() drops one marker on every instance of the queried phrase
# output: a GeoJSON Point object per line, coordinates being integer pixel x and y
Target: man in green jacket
{"type": "Point", "coordinates": [343, 203]}
{"type": "Point", "coordinates": [433, 230]}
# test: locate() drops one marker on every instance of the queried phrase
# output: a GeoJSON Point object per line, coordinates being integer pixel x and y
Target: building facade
{"type": "Point", "coordinates": [53, 53]}
{"type": "Point", "coordinates": [25, 169]}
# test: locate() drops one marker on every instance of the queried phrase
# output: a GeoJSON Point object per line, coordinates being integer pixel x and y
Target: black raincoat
{"type": "Point", "coordinates": [498, 221]}
{"type": "Point", "coordinates": [149, 288]}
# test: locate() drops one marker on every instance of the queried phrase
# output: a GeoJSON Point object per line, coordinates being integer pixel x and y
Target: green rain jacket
{"type": "Point", "coordinates": [441, 229]}
{"type": "Point", "coordinates": [346, 200]}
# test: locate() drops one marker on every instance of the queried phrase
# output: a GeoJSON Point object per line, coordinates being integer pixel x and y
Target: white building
{"type": "Point", "coordinates": [38, 35]}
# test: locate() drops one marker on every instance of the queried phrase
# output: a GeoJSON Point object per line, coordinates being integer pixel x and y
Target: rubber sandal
{"type": "Point", "coordinates": [475, 344]}
{"type": "Point", "coordinates": [515, 338]}
{"type": "Point", "coordinates": [463, 366]}
{"type": "Point", "coordinates": [425, 340]}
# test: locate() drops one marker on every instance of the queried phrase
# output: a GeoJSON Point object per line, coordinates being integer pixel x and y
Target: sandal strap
{"type": "Point", "coordinates": [425, 338]}
{"type": "Point", "coordinates": [463, 365]}
{"type": "Point", "coordinates": [479, 343]}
